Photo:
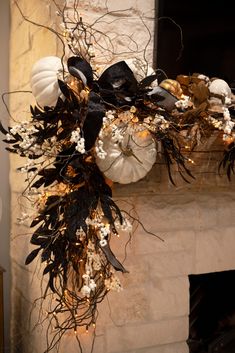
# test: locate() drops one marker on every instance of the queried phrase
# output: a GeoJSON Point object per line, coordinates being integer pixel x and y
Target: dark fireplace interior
{"type": "Point", "coordinates": [208, 30]}
{"type": "Point", "coordinates": [212, 313]}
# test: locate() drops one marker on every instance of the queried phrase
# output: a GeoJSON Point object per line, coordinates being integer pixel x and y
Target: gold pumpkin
{"type": "Point", "coordinates": [172, 86]}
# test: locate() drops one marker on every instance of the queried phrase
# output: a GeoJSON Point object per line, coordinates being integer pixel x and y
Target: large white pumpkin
{"type": "Point", "coordinates": [44, 80]}
{"type": "Point", "coordinates": [129, 160]}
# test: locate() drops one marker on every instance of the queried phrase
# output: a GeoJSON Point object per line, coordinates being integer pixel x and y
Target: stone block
{"type": "Point", "coordinates": [225, 210]}
{"type": "Point", "coordinates": [132, 305]}
{"type": "Point", "coordinates": [173, 241]}
{"type": "Point", "coordinates": [22, 44]}
{"type": "Point", "coordinates": [205, 211]}
{"type": "Point", "coordinates": [122, 339]}
{"type": "Point", "coordinates": [169, 298]}
{"type": "Point", "coordinates": [163, 212]}
{"type": "Point", "coordinates": [139, 271]}
{"type": "Point", "coordinates": [171, 264]}
{"type": "Point", "coordinates": [215, 250]}
{"type": "Point", "coordinates": [178, 347]}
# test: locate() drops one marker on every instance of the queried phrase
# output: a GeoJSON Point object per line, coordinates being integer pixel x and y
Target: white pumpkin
{"type": "Point", "coordinates": [220, 87]}
{"type": "Point", "coordinates": [44, 80]}
{"type": "Point", "coordinates": [130, 159]}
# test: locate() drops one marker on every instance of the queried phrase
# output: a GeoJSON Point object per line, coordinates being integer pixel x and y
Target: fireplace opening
{"type": "Point", "coordinates": [212, 313]}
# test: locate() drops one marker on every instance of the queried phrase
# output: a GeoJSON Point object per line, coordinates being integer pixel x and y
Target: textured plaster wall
{"type": "Point", "coordinates": [4, 158]}
{"type": "Point", "coordinates": [27, 43]}
{"type": "Point", "coordinates": [196, 222]}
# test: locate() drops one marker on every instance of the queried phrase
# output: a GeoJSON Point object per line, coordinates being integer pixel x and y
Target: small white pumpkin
{"type": "Point", "coordinates": [44, 80]}
{"type": "Point", "coordinates": [130, 159]}
{"type": "Point", "coordinates": [220, 87]}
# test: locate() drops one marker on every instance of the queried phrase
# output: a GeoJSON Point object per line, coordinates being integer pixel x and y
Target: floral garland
{"type": "Point", "coordinates": [86, 132]}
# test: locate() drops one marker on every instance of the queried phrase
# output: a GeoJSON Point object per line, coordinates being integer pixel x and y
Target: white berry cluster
{"type": "Point", "coordinates": [25, 130]}
{"type": "Point", "coordinates": [79, 140]}
{"type": "Point", "coordinates": [156, 122]}
{"type": "Point", "coordinates": [125, 226]}
{"type": "Point", "coordinates": [99, 149]}
{"type": "Point", "coordinates": [102, 229]}
{"type": "Point", "coordinates": [89, 285]}
{"type": "Point", "coordinates": [218, 124]}
{"type": "Point", "coordinates": [183, 103]}
{"type": "Point", "coordinates": [103, 232]}
{"type": "Point", "coordinates": [113, 283]}
{"type": "Point", "coordinates": [93, 263]}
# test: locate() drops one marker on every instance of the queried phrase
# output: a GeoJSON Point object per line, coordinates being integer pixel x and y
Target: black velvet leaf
{"type": "Point", "coordinates": [48, 268]}
{"type": "Point", "coordinates": [146, 82]}
{"type": "Point", "coordinates": [32, 256]}
{"type": "Point", "coordinates": [37, 220]}
{"type": "Point", "coordinates": [46, 254]}
{"type": "Point", "coordinates": [51, 281]}
{"type": "Point", "coordinates": [64, 89]}
{"type": "Point", "coordinates": [38, 183]}
{"type": "Point", "coordinates": [112, 259]}
{"type": "Point", "coordinates": [2, 129]}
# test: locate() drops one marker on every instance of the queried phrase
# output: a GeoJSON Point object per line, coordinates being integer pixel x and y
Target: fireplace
{"type": "Point", "coordinates": [212, 313]}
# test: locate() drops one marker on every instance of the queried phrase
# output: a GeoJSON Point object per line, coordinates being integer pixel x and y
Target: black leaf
{"type": "Point", "coordinates": [228, 160]}
{"type": "Point", "coordinates": [10, 141]}
{"type": "Point", "coordinates": [37, 240]}
{"type": "Point", "coordinates": [37, 220]}
{"type": "Point", "coordinates": [48, 268]}
{"type": "Point", "coordinates": [11, 150]}
{"type": "Point", "coordinates": [32, 256]}
{"type": "Point", "coordinates": [112, 259]}
{"type": "Point", "coordinates": [64, 89]}
{"type": "Point", "coordinates": [146, 82]}
{"type": "Point", "coordinates": [38, 183]}
{"type": "Point", "coordinates": [2, 129]}
{"type": "Point", "coordinates": [51, 281]}
{"type": "Point", "coordinates": [46, 254]}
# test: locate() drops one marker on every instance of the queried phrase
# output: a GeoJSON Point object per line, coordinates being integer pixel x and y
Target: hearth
{"type": "Point", "coordinates": [212, 313]}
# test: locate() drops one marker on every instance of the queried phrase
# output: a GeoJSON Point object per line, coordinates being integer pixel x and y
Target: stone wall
{"type": "Point", "coordinates": [28, 43]}
{"type": "Point", "coordinates": [196, 223]}
{"type": "Point", "coordinates": [4, 157]}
